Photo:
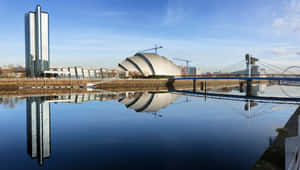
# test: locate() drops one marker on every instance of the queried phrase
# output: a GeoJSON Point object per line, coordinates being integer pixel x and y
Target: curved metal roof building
{"type": "Point", "coordinates": [149, 64]}
{"type": "Point", "coordinates": [149, 102]}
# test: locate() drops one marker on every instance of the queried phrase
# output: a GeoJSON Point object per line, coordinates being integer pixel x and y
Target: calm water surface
{"type": "Point", "coordinates": [138, 130]}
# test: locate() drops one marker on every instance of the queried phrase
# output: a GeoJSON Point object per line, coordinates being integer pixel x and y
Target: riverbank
{"type": "Point", "coordinates": [128, 84]}
{"type": "Point", "coordinates": [20, 84]}
{"type": "Point", "coordinates": [162, 84]}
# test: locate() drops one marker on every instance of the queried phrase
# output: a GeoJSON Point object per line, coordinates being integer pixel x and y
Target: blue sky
{"type": "Point", "coordinates": [212, 33]}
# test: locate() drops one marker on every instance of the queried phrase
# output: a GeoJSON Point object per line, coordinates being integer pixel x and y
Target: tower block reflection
{"type": "Point", "coordinates": [38, 128]}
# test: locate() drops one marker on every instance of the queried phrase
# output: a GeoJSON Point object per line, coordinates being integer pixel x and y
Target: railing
{"type": "Point", "coordinates": [294, 164]}
{"type": "Point", "coordinates": [239, 75]}
{"type": "Point", "coordinates": [176, 76]}
{"type": "Point", "coordinates": [42, 78]}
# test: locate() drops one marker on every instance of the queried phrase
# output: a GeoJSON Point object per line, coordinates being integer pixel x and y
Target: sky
{"type": "Point", "coordinates": [213, 34]}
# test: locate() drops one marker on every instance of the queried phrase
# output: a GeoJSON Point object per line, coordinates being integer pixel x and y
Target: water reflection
{"type": "Point", "coordinates": [257, 90]}
{"type": "Point", "coordinates": [38, 128]}
{"type": "Point", "coordinates": [149, 102]}
{"type": "Point", "coordinates": [38, 114]}
{"type": "Point", "coordinates": [10, 102]}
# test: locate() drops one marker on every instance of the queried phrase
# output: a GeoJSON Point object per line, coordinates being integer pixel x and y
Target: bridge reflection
{"type": "Point", "coordinates": [251, 94]}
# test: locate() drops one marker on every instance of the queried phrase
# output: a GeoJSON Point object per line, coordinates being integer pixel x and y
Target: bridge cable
{"type": "Point", "coordinates": [274, 66]}
{"type": "Point", "coordinates": [224, 69]}
{"type": "Point", "coordinates": [276, 71]}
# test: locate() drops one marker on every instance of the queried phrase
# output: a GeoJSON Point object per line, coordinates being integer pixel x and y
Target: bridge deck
{"type": "Point", "coordinates": [238, 78]}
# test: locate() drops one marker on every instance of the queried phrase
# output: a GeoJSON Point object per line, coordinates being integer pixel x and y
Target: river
{"type": "Point", "coordinates": [141, 130]}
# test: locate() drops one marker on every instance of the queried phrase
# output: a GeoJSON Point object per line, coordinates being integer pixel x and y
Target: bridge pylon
{"type": "Point", "coordinates": [250, 61]}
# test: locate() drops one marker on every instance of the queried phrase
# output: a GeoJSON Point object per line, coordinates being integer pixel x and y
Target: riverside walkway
{"type": "Point", "coordinates": [277, 77]}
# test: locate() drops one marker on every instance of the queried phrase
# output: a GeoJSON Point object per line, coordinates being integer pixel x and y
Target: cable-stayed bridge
{"type": "Point", "coordinates": [254, 70]}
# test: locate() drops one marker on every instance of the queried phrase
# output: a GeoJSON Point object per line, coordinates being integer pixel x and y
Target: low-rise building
{"type": "Point", "coordinates": [81, 73]}
{"type": "Point", "coordinates": [12, 72]}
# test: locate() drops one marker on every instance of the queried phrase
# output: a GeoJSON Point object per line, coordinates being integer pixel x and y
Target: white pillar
{"type": "Point", "coordinates": [38, 39]}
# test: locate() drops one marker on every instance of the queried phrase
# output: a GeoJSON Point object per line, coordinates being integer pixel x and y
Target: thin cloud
{"type": "Point", "coordinates": [108, 13]}
{"type": "Point", "coordinates": [286, 53]}
{"type": "Point", "coordinates": [279, 51]}
{"type": "Point", "coordinates": [278, 22]}
{"type": "Point", "coordinates": [174, 12]}
{"type": "Point", "coordinates": [289, 21]}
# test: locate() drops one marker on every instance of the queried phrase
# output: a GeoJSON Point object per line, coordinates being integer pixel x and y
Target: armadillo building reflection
{"type": "Point", "coordinates": [149, 102]}
{"type": "Point", "coordinates": [38, 128]}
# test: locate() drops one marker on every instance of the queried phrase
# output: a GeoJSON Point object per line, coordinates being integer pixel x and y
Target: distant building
{"type": "Point", "coordinates": [149, 64]}
{"type": "Point", "coordinates": [190, 70]}
{"type": "Point", "coordinates": [81, 73]}
{"type": "Point", "coordinates": [255, 71]}
{"type": "Point", "coordinates": [12, 72]}
{"type": "Point", "coordinates": [36, 42]}
{"type": "Point", "coordinates": [217, 72]}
